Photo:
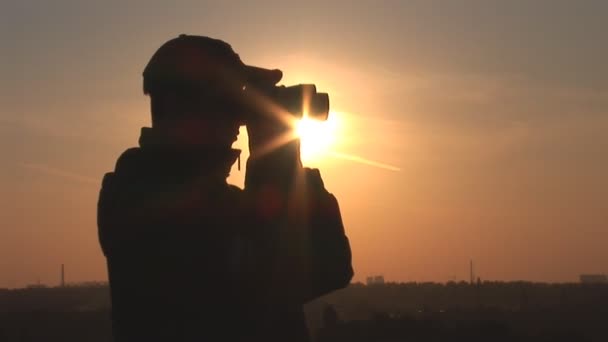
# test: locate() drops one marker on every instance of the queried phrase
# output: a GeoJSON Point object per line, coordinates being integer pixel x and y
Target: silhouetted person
{"type": "Point", "coordinates": [192, 258]}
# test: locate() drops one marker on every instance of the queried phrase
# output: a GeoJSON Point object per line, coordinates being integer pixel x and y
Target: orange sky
{"type": "Point", "coordinates": [494, 112]}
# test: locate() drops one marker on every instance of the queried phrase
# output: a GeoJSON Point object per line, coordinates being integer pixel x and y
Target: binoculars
{"type": "Point", "coordinates": [300, 100]}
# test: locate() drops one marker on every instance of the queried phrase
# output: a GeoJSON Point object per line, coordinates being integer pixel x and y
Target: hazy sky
{"type": "Point", "coordinates": [495, 112]}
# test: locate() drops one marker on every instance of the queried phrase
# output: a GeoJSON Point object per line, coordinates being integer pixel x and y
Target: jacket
{"type": "Point", "coordinates": [193, 258]}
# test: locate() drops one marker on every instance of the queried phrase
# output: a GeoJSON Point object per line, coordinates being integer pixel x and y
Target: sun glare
{"type": "Point", "coordinates": [316, 136]}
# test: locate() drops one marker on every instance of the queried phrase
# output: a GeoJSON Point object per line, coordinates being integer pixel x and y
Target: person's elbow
{"type": "Point", "coordinates": [342, 271]}
{"type": "Point", "coordinates": [345, 277]}
{"type": "Point", "coordinates": [347, 272]}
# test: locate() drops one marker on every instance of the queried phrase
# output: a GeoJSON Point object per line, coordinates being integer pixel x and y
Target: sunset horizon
{"type": "Point", "coordinates": [456, 132]}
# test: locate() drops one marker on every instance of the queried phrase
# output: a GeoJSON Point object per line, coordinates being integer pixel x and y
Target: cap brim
{"type": "Point", "coordinates": [261, 75]}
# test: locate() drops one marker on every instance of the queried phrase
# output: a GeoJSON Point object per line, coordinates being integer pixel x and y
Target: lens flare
{"type": "Point", "coordinates": [316, 137]}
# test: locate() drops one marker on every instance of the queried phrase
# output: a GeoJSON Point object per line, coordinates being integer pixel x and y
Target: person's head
{"type": "Point", "coordinates": [195, 84]}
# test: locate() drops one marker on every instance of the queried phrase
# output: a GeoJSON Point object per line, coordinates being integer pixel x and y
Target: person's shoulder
{"type": "Point", "coordinates": [129, 159]}
{"type": "Point", "coordinates": [131, 164]}
{"type": "Point", "coordinates": [126, 163]}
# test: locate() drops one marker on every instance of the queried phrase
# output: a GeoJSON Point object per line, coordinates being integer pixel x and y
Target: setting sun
{"type": "Point", "coordinates": [316, 136]}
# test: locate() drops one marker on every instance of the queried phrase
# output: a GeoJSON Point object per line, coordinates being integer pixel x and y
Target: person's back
{"type": "Point", "coordinates": [165, 264]}
{"type": "Point", "coordinates": [191, 257]}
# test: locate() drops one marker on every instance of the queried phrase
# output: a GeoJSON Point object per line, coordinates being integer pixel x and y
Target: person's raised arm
{"type": "Point", "coordinates": [310, 252]}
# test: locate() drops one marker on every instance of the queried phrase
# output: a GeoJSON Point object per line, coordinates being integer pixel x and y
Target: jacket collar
{"type": "Point", "coordinates": [213, 161]}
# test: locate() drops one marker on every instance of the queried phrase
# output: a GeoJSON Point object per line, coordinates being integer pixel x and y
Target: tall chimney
{"type": "Point", "coordinates": [62, 275]}
{"type": "Point", "coordinates": [472, 276]}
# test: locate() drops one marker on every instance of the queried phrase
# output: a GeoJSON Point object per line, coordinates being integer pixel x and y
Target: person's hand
{"type": "Point", "coordinates": [270, 128]}
{"type": "Point", "coordinates": [274, 150]}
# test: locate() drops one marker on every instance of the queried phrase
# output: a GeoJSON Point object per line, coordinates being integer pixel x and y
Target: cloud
{"type": "Point", "coordinates": [55, 172]}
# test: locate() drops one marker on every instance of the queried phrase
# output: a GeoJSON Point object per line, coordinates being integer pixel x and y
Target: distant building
{"type": "Point", "coordinates": [594, 279]}
{"type": "Point", "coordinates": [37, 285]}
{"type": "Point", "coordinates": [375, 280]}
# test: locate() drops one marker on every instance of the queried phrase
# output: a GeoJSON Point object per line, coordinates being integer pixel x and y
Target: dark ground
{"type": "Point", "coordinates": [489, 311]}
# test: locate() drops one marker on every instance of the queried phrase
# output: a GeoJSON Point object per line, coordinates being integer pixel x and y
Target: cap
{"type": "Point", "coordinates": [201, 61]}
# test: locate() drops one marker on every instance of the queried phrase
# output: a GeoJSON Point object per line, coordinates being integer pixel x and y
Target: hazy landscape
{"type": "Point", "coordinates": [485, 311]}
